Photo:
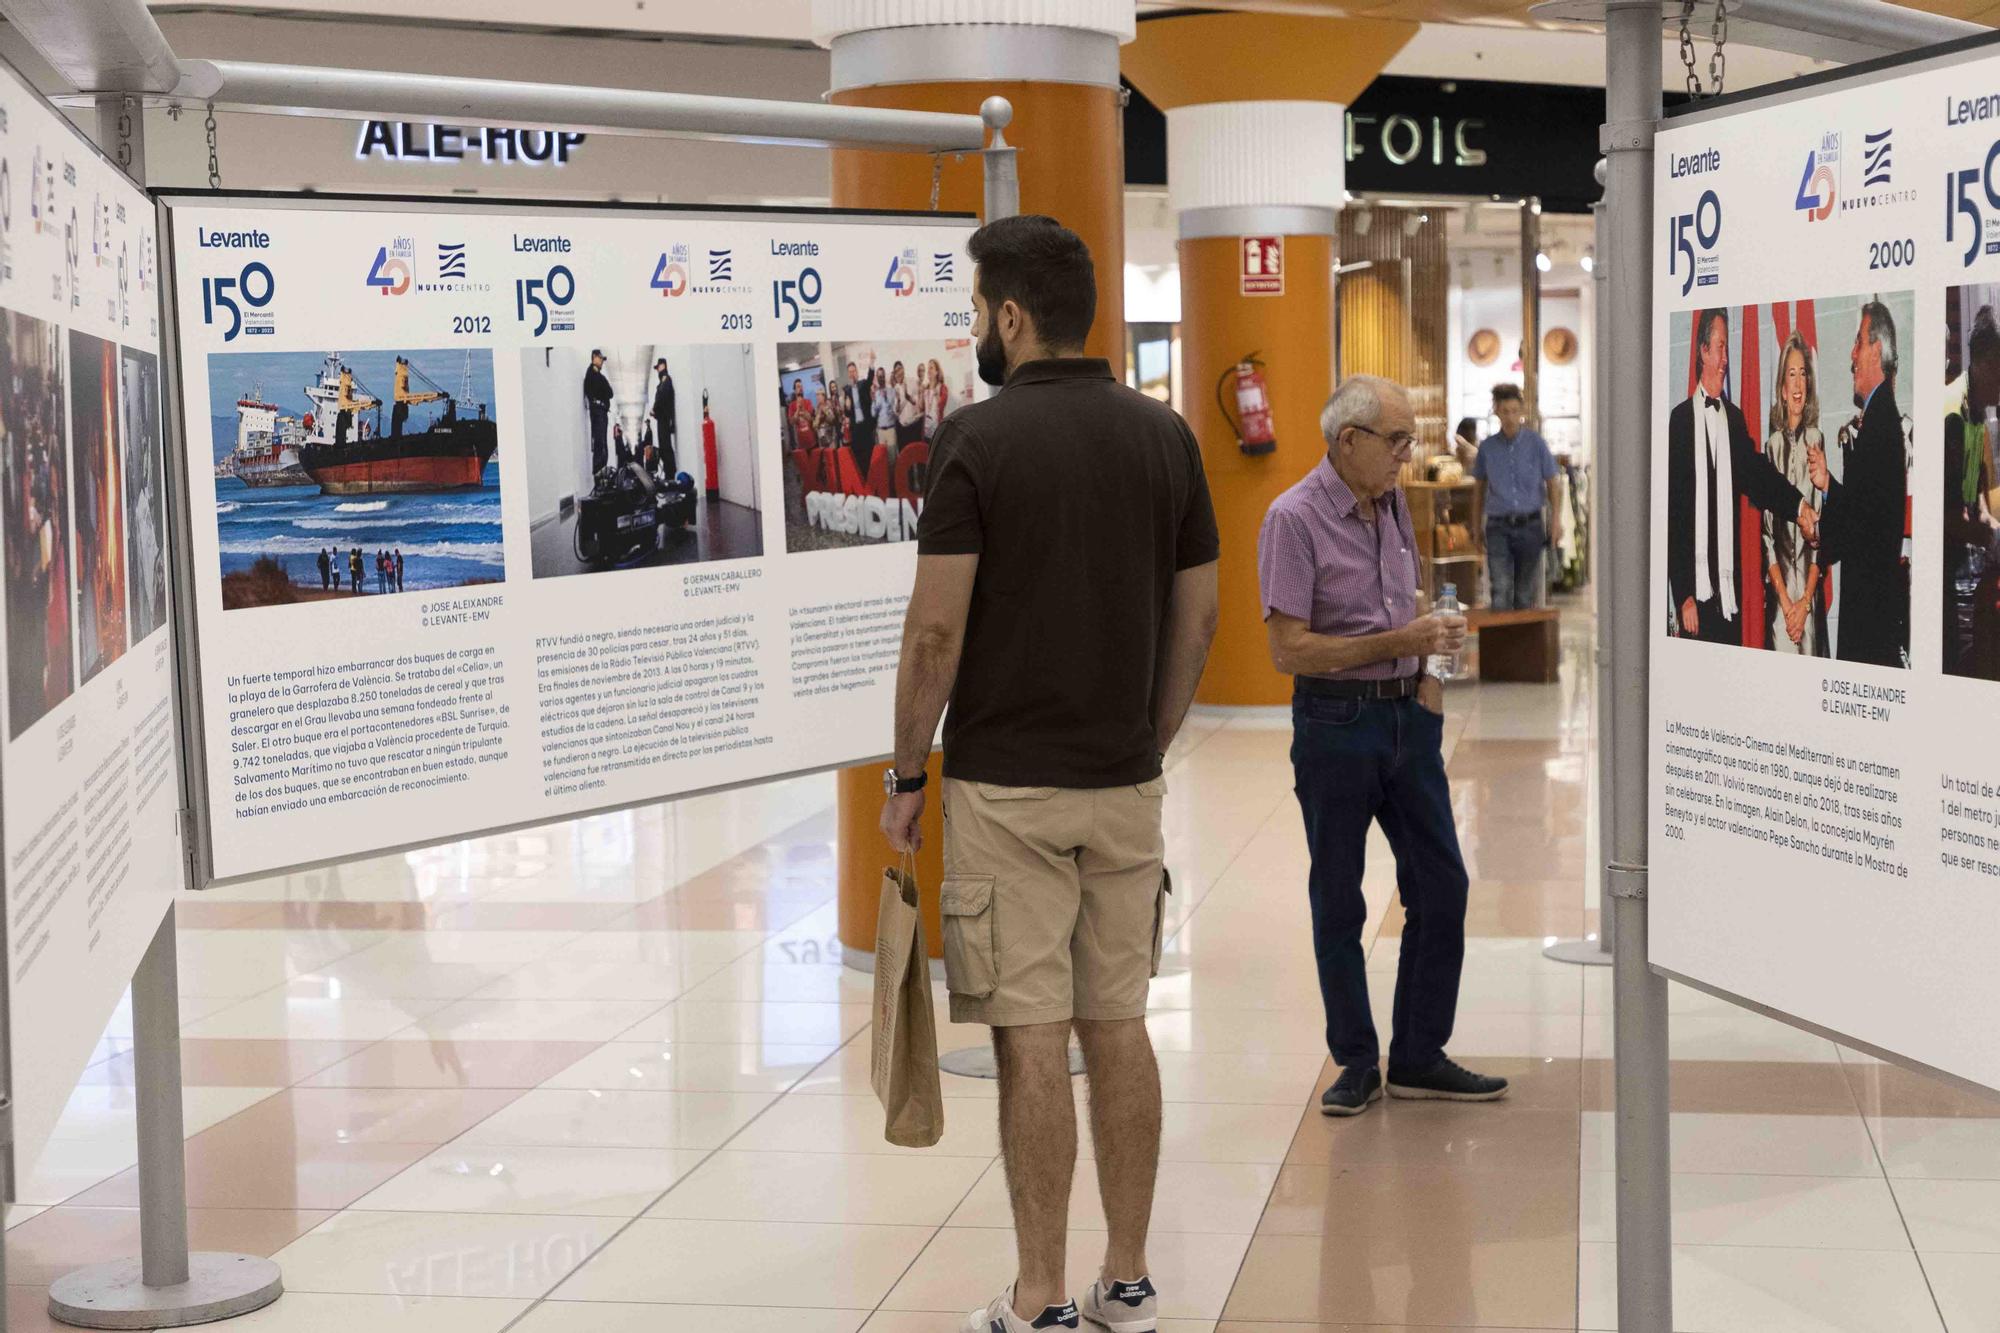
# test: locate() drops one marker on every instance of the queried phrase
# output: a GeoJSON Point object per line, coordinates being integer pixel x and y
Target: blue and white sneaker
{"type": "Point", "coordinates": [1123, 1307]}
{"type": "Point", "coordinates": [999, 1317]}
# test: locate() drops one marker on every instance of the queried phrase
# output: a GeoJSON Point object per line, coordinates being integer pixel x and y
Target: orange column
{"type": "Point", "coordinates": [1072, 167]}
{"type": "Point", "coordinates": [1292, 334]}
{"type": "Point", "coordinates": [1256, 148]}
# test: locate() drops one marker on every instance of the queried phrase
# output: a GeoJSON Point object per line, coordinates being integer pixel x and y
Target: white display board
{"type": "Point", "coordinates": [89, 765]}
{"type": "Point", "coordinates": [541, 644]}
{"type": "Point", "coordinates": [1826, 795]}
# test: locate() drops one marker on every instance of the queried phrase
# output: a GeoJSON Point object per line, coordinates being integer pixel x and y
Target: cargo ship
{"type": "Point", "coordinates": [267, 446]}
{"type": "Point", "coordinates": [347, 452]}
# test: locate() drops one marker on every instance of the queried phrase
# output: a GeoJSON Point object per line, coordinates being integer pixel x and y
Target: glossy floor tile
{"type": "Point", "coordinates": [611, 1076]}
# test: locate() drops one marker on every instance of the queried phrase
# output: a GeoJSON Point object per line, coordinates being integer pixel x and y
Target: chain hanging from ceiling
{"type": "Point", "coordinates": [1717, 59]}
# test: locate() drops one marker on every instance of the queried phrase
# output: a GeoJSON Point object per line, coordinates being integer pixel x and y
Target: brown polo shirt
{"type": "Point", "coordinates": [1082, 499]}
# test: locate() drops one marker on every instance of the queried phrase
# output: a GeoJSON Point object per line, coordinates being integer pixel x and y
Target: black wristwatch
{"type": "Point", "coordinates": [892, 785]}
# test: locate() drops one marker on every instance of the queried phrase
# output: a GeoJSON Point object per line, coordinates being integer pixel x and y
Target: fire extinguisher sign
{"type": "Point", "coordinates": [1263, 265]}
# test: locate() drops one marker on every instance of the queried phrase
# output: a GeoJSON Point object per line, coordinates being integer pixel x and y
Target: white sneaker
{"type": "Point", "coordinates": [1123, 1307]}
{"type": "Point", "coordinates": [999, 1317]}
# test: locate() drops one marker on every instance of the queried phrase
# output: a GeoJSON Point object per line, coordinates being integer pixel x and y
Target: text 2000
{"type": "Point", "coordinates": [1891, 254]}
{"type": "Point", "coordinates": [472, 323]}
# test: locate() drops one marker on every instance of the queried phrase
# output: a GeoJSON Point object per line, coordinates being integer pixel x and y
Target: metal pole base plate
{"type": "Point", "coordinates": [978, 1062]}
{"type": "Point", "coordinates": [1585, 952]}
{"type": "Point", "coordinates": [113, 1295]}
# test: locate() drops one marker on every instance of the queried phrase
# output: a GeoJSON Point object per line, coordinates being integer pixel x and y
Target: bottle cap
{"type": "Point", "coordinates": [1450, 590]}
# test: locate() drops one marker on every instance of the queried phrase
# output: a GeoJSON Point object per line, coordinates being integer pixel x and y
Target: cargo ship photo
{"type": "Point", "coordinates": [267, 445]}
{"type": "Point", "coordinates": [348, 451]}
{"type": "Point", "coordinates": [378, 474]}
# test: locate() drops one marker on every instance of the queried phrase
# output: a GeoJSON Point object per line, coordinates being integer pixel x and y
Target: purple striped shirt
{"type": "Point", "coordinates": [1319, 561]}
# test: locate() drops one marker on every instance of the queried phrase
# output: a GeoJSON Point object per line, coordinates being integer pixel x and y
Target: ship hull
{"type": "Point", "coordinates": [428, 461]}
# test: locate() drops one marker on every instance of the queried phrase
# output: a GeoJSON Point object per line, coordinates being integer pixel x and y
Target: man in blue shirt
{"type": "Point", "coordinates": [1515, 473]}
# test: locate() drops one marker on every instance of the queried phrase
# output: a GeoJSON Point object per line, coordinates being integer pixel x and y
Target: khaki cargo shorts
{"type": "Point", "coordinates": [1053, 901]}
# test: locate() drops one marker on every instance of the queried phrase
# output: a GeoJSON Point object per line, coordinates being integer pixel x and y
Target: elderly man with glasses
{"type": "Point", "coordinates": [1337, 561]}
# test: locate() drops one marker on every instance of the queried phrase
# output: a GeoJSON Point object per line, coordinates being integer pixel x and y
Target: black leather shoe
{"type": "Point", "coordinates": [1446, 1082]}
{"type": "Point", "coordinates": [1352, 1091]}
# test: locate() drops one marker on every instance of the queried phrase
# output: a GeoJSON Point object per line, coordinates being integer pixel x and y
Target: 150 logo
{"type": "Point", "coordinates": [1962, 201]}
{"type": "Point", "coordinates": [1691, 237]}
{"type": "Point", "coordinates": [552, 299]}
{"type": "Point", "coordinates": [796, 300]}
{"type": "Point", "coordinates": [255, 286]}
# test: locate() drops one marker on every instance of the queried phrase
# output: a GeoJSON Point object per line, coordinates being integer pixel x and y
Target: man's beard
{"type": "Point", "coordinates": [992, 356]}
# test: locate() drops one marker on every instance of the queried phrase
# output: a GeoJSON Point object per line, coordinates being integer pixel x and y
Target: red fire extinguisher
{"type": "Point", "coordinates": [1252, 418]}
{"type": "Point", "coordinates": [708, 447]}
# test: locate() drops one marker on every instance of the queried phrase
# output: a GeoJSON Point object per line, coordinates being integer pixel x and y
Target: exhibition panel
{"type": "Point", "coordinates": [407, 426]}
{"type": "Point", "coordinates": [88, 774]}
{"type": "Point", "coordinates": [1823, 491]}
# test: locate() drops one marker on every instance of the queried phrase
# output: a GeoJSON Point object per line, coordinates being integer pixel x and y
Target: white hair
{"type": "Point", "coordinates": [1357, 401]}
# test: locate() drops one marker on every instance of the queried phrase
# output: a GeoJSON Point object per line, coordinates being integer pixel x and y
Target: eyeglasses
{"type": "Point", "coordinates": [1402, 442]}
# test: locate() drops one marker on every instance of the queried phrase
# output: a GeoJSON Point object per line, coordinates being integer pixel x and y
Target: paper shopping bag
{"type": "Point", "coordinates": [904, 1068]}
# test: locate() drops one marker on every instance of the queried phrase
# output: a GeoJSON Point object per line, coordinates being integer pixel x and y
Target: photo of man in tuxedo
{"type": "Point", "coordinates": [1862, 521]}
{"type": "Point", "coordinates": [1712, 465]}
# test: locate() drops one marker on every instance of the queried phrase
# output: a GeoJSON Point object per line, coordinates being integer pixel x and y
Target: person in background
{"type": "Point", "coordinates": [1969, 525]}
{"type": "Point", "coordinates": [909, 406]}
{"type": "Point", "coordinates": [799, 412]}
{"type": "Point", "coordinates": [937, 400]}
{"type": "Point", "coordinates": [1516, 475]}
{"type": "Point", "coordinates": [666, 433]}
{"type": "Point", "coordinates": [1861, 523]}
{"type": "Point", "coordinates": [354, 571]}
{"type": "Point", "coordinates": [597, 400]}
{"type": "Point", "coordinates": [1789, 562]}
{"type": "Point", "coordinates": [1054, 888]}
{"type": "Point", "coordinates": [1465, 443]}
{"type": "Point", "coordinates": [325, 569]}
{"type": "Point", "coordinates": [884, 397]}
{"type": "Point", "coordinates": [860, 401]}
{"type": "Point", "coordinates": [399, 568]}
{"type": "Point", "coordinates": [1337, 564]}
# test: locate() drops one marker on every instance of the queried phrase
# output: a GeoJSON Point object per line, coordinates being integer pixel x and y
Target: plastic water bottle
{"type": "Point", "coordinates": [1447, 666]}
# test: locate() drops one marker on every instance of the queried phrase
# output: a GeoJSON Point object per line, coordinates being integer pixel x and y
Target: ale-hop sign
{"type": "Point", "coordinates": [495, 145]}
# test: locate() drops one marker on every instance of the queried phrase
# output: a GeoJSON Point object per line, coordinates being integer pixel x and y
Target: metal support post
{"type": "Point", "coordinates": [166, 1287]}
{"type": "Point", "coordinates": [1639, 1050]}
{"type": "Point", "coordinates": [1531, 309]}
{"type": "Point", "coordinates": [1596, 950]}
{"type": "Point", "coordinates": [1003, 169]}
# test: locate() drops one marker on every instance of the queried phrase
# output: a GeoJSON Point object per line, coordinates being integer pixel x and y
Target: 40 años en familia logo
{"type": "Point", "coordinates": [392, 270]}
{"type": "Point", "coordinates": [903, 279]}
{"type": "Point", "coordinates": [245, 298]}
{"type": "Point", "coordinates": [675, 273]}
{"type": "Point", "coordinates": [1691, 239]}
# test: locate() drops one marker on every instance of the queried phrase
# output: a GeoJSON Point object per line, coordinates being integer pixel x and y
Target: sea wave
{"type": "Point", "coordinates": [374, 524]}
{"type": "Point", "coordinates": [228, 508]}
{"type": "Point", "coordinates": [478, 553]}
{"type": "Point", "coordinates": [361, 507]}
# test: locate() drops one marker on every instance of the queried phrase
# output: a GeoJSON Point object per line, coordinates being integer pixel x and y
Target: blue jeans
{"type": "Point", "coordinates": [1514, 563]}
{"type": "Point", "coordinates": [1357, 762]}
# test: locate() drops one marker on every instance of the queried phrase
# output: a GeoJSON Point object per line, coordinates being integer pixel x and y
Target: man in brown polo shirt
{"type": "Point", "coordinates": [1064, 604]}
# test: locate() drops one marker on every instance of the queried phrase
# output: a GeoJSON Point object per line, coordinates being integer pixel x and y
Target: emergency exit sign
{"type": "Point", "coordinates": [1263, 265]}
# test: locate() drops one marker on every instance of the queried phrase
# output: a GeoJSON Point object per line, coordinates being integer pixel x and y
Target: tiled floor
{"type": "Point", "coordinates": [610, 1077]}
